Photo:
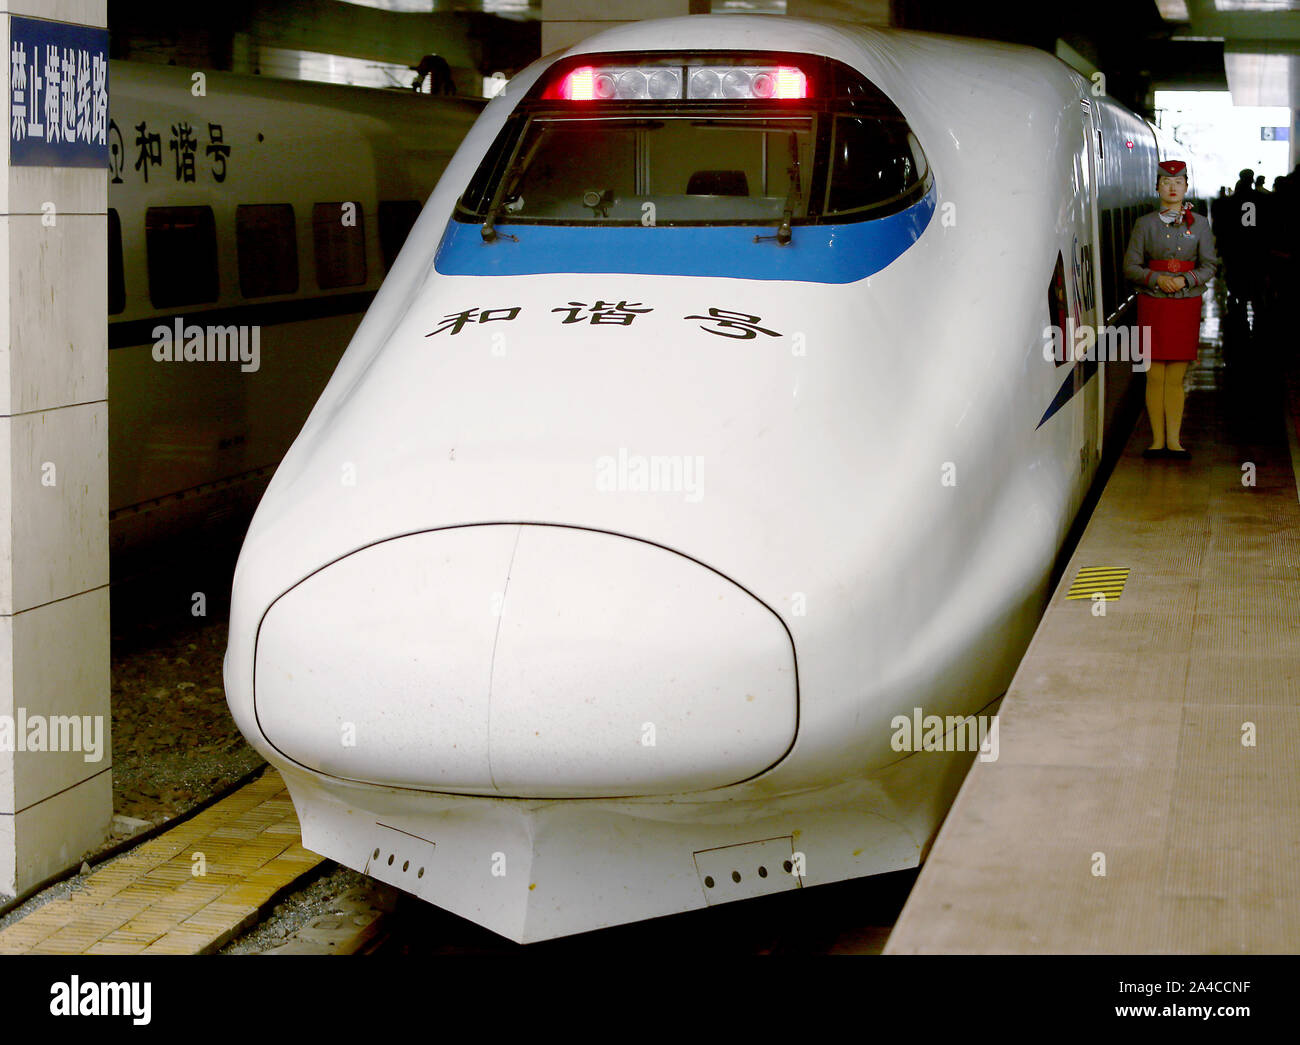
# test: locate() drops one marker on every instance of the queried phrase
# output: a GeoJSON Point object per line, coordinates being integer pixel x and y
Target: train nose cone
{"type": "Point", "coordinates": [531, 661]}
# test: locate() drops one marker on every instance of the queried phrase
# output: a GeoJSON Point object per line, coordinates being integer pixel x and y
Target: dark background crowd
{"type": "Point", "coordinates": [1255, 231]}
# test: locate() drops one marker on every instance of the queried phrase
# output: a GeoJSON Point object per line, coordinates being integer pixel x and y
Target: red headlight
{"type": "Point", "coordinates": [791, 83]}
{"type": "Point", "coordinates": [579, 85]}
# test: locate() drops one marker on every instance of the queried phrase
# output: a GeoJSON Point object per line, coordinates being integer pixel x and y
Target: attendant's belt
{"type": "Point", "coordinates": [1171, 266]}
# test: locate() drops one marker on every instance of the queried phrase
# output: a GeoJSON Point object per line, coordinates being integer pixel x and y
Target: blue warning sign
{"type": "Point", "coordinates": [58, 94]}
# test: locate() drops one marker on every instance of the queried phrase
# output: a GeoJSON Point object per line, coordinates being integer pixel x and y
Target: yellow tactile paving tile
{"type": "Point", "coordinates": [151, 901]}
{"type": "Point", "coordinates": [1107, 581]}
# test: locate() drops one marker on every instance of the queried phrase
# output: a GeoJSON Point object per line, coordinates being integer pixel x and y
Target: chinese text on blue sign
{"type": "Point", "coordinates": [58, 94]}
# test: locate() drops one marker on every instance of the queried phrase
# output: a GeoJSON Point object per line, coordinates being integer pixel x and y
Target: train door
{"type": "Point", "coordinates": [1084, 291]}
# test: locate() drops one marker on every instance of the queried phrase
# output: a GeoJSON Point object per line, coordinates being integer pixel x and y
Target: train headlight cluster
{"type": "Point", "coordinates": [588, 83]}
{"type": "Point", "coordinates": [604, 83]}
{"type": "Point", "coordinates": [747, 82]}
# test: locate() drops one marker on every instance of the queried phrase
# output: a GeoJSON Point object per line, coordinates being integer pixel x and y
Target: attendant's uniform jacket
{"type": "Point", "coordinates": [1153, 238]}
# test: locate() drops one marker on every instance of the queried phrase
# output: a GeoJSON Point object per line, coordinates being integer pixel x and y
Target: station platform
{"type": "Point", "coordinates": [188, 891]}
{"type": "Point", "coordinates": [1146, 795]}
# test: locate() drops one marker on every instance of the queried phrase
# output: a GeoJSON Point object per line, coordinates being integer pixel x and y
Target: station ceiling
{"type": "Point", "coordinates": [1251, 47]}
{"type": "Point", "coordinates": [1261, 44]}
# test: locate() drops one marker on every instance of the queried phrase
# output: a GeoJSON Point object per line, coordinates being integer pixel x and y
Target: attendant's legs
{"type": "Point", "coordinates": [1174, 404]}
{"type": "Point", "coordinates": [1156, 404]}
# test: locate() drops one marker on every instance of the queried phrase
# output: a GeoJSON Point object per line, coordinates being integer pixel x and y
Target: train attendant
{"type": "Point", "coordinates": [1170, 257]}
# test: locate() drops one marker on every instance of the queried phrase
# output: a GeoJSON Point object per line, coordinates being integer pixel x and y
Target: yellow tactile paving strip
{"type": "Point", "coordinates": [1107, 581]}
{"type": "Point", "coordinates": [151, 901]}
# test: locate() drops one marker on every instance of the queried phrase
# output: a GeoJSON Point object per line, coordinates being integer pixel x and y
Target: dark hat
{"type": "Point", "coordinates": [1173, 168]}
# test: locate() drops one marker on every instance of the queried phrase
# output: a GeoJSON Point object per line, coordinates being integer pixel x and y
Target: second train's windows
{"type": "Point", "coordinates": [339, 234]}
{"type": "Point", "coordinates": [181, 243]}
{"type": "Point", "coordinates": [268, 249]}
{"type": "Point", "coordinates": [116, 283]}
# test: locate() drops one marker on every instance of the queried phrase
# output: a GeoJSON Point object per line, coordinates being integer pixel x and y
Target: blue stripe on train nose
{"type": "Point", "coordinates": [816, 253]}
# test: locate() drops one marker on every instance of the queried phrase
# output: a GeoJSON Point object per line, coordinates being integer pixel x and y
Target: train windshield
{"type": "Point", "coordinates": [664, 170]}
{"type": "Point", "coordinates": [835, 150]}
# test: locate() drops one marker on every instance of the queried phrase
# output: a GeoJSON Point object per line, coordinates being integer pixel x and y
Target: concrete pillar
{"type": "Point", "coordinates": [565, 22]}
{"type": "Point", "coordinates": [865, 12]}
{"type": "Point", "coordinates": [55, 755]}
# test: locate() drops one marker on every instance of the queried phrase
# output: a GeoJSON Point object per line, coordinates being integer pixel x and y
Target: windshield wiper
{"type": "Point", "coordinates": [792, 198]}
{"type": "Point", "coordinates": [489, 229]}
{"type": "Point", "coordinates": [506, 192]}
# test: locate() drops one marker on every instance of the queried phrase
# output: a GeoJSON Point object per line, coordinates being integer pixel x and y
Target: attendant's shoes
{"type": "Point", "coordinates": [1179, 455]}
{"type": "Point", "coordinates": [1155, 453]}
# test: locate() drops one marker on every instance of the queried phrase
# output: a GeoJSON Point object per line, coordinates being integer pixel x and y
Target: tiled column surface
{"type": "Point", "coordinates": [567, 21]}
{"type": "Point", "coordinates": [54, 655]}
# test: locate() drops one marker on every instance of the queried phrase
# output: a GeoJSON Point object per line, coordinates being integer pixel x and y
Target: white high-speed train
{"type": "Point", "coordinates": [225, 200]}
{"type": "Point", "coordinates": [701, 434]}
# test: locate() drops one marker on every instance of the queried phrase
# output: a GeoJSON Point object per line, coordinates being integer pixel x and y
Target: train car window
{"type": "Point", "coordinates": [478, 194]}
{"type": "Point", "coordinates": [340, 239]}
{"type": "Point", "coordinates": [1121, 246]}
{"type": "Point", "coordinates": [1117, 260]}
{"type": "Point", "coordinates": [1107, 254]}
{"type": "Point", "coordinates": [395, 220]}
{"type": "Point", "coordinates": [874, 163]}
{"type": "Point", "coordinates": [1125, 230]}
{"type": "Point", "coordinates": [116, 280]}
{"type": "Point", "coordinates": [267, 244]}
{"type": "Point", "coordinates": [181, 244]}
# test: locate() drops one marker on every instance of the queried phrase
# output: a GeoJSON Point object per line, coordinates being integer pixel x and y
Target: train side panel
{"type": "Point", "coordinates": [193, 441]}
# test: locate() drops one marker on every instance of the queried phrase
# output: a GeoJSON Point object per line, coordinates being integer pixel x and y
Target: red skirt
{"type": "Point", "coordinates": [1175, 325]}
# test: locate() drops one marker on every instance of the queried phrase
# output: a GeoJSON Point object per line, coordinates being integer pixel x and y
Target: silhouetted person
{"type": "Point", "coordinates": [1220, 208]}
{"type": "Point", "coordinates": [1242, 244]}
{"type": "Point", "coordinates": [1221, 224]}
{"type": "Point", "coordinates": [435, 67]}
{"type": "Point", "coordinates": [1280, 223]}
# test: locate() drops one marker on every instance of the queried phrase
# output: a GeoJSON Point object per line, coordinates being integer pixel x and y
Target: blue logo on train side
{"type": "Point", "coordinates": [1083, 369]}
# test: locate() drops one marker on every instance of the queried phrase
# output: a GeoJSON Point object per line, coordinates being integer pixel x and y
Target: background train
{"type": "Point", "coordinates": [702, 430]}
{"type": "Point", "coordinates": [226, 198]}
